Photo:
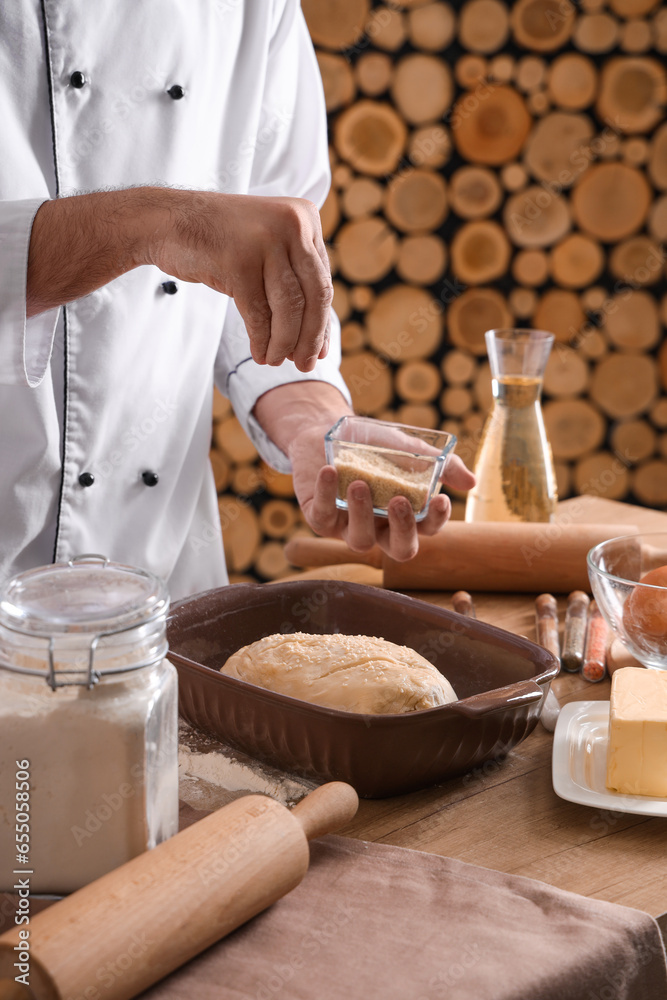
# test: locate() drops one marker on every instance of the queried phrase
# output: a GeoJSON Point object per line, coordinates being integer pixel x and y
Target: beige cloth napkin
{"type": "Point", "coordinates": [374, 921]}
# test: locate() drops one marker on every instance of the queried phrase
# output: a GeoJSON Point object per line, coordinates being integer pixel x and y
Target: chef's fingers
{"type": "Point", "coordinates": [287, 301]}
{"type": "Point", "coordinates": [439, 512]}
{"type": "Point", "coordinates": [457, 475]}
{"type": "Point", "coordinates": [324, 350]}
{"type": "Point", "coordinates": [403, 540]}
{"type": "Point", "coordinates": [323, 515]}
{"type": "Point", "coordinates": [360, 534]}
{"type": "Point", "coordinates": [315, 281]}
{"type": "Point", "coordinates": [251, 302]}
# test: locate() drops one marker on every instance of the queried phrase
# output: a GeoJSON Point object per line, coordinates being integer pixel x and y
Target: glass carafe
{"type": "Point", "coordinates": [514, 466]}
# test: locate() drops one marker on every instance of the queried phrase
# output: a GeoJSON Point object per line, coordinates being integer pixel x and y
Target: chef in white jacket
{"type": "Point", "coordinates": [135, 271]}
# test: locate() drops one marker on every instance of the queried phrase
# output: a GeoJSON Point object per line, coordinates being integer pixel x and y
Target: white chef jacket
{"type": "Point", "coordinates": [201, 94]}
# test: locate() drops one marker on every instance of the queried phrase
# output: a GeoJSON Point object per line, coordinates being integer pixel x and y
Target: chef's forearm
{"type": "Point", "coordinates": [288, 409]}
{"type": "Point", "coordinates": [82, 242]}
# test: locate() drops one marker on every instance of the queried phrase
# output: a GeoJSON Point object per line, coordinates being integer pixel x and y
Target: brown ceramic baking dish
{"type": "Point", "coordinates": [501, 681]}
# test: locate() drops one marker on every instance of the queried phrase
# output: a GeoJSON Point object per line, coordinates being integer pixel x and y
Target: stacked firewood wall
{"type": "Point", "coordinates": [494, 164]}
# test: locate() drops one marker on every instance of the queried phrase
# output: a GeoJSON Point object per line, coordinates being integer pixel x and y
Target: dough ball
{"type": "Point", "coordinates": [354, 673]}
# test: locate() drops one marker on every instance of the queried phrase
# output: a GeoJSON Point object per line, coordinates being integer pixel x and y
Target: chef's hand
{"type": "Point", "coordinates": [316, 486]}
{"type": "Point", "coordinates": [268, 254]}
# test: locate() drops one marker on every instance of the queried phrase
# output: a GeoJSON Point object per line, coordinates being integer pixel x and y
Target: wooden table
{"type": "Point", "coordinates": [506, 815]}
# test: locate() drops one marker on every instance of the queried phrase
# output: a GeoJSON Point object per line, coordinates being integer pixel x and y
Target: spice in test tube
{"type": "Point", "coordinates": [462, 602]}
{"type": "Point", "coordinates": [594, 667]}
{"type": "Point", "coordinates": [574, 636]}
{"type": "Point", "coordinates": [546, 623]}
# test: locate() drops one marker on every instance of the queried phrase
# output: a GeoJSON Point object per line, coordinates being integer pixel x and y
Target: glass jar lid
{"type": "Point", "coordinates": [88, 595]}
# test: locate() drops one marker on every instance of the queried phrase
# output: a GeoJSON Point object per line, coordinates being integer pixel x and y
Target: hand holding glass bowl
{"type": "Point", "coordinates": [392, 459]}
{"type": "Point", "coordinates": [629, 582]}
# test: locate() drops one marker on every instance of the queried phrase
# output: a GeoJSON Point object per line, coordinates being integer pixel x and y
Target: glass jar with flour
{"type": "Point", "coordinates": [88, 722]}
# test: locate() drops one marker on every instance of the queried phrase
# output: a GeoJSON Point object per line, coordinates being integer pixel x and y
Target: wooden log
{"type": "Point", "coordinates": [330, 214]}
{"type": "Point", "coordinates": [405, 323]}
{"type": "Point", "coordinates": [592, 344]}
{"type": "Point", "coordinates": [246, 480]}
{"type": "Point", "coordinates": [371, 136]}
{"type": "Point", "coordinates": [431, 28]}
{"type": "Point", "coordinates": [563, 479]}
{"type": "Point", "coordinates": [362, 297]}
{"type": "Point", "coordinates": [221, 405]}
{"type": "Point", "coordinates": [474, 312]}
{"type": "Point", "coordinates": [429, 146]}
{"type": "Point", "coordinates": [490, 125]}
{"type": "Point", "coordinates": [535, 217]}
{"type": "Point", "coordinates": [531, 72]}
{"type": "Point", "coordinates": [638, 261]}
{"type": "Point", "coordinates": [538, 103]}
{"type": "Point", "coordinates": [341, 300]}
{"type": "Point", "coordinates": [649, 483]}
{"type": "Point", "coordinates": [480, 252]}
{"type": "Point", "coordinates": [633, 441]}
{"type": "Point", "coordinates": [474, 192]}
{"type": "Point", "coordinates": [658, 412]}
{"type": "Point", "coordinates": [624, 385]}
{"type": "Point", "coordinates": [456, 401]}
{"type": "Point", "coordinates": [369, 380]}
{"type": "Point", "coordinates": [458, 367]}
{"type": "Point", "coordinates": [657, 219]}
{"type": "Point", "coordinates": [522, 302]}
{"type": "Point", "coordinates": [596, 33]}
{"type": "Point", "coordinates": [636, 36]}
{"type": "Point", "coordinates": [416, 200]}
{"type": "Point", "coordinates": [574, 427]}
{"type": "Point", "coordinates": [635, 151]}
{"type": "Point", "coordinates": [230, 437]}
{"type": "Point", "coordinates": [386, 28]}
{"type": "Point", "coordinates": [573, 81]}
{"type": "Point", "coordinates": [483, 387]}
{"type": "Point", "coordinates": [483, 25]}
{"type": "Point", "coordinates": [553, 149]}
{"type": "Point", "coordinates": [240, 532]}
{"type": "Point", "coordinates": [594, 298]}
{"type": "Point", "coordinates": [501, 68]}
{"type": "Point", "coordinates": [576, 262]}
{"type": "Point", "coordinates": [336, 24]}
{"type": "Point", "coordinates": [632, 93]}
{"type": "Point", "coordinates": [271, 562]}
{"type": "Point", "coordinates": [337, 80]}
{"type": "Point", "coordinates": [278, 484]}
{"type": "Point", "coordinates": [560, 312]}
{"type": "Point", "coordinates": [659, 30]}
{"type": "Point", "coordinates": [657, 164]}
{"type": "Point", "coordinates": [632, 322]}
{"type": "Point", "coordinates": [602, 475]}
{"type": "Point", "coordinates": [542, 25]}
{"type": "Point", "coordinates": [663, 311]}
{"type": "Point", "coordinates": [221, 469]}
{"type": "Point", "coordinates": [422, 88]}
{"type": "Point", "coordinates": [364, 196]}
{"type": "Point", "coordinates": [352, 337]}
{"type": "Point", "coordinates": [421, 259]}
{"type": "Point", "coordinates": [530, 267]}
{"type": "Point", "coordinates": [633, 8]}
{"type": "Point", "coordinates": [418, 381]}
{"type": "Point", "coordinates": [418, 415]}
{"type": "Point", "coordinates": [611, 201]}
{"type": "Point", "coordinates": [514, 176]}
{"type": "Point", "coordinates": [470, 70]}
{"type": "Point", "coordinates": [366, 249]}
{"type": "Point", "coordinates": [373, 73]}
{"type": "Point", "coordinates": [566, 372]}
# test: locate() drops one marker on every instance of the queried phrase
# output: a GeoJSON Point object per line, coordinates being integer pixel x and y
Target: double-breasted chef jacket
{"type": "Point", "coordinates": [105, 404]}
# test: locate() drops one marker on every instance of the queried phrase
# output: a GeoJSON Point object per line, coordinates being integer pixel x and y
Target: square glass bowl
{"type": "Point", "coordinates": [394, 459]}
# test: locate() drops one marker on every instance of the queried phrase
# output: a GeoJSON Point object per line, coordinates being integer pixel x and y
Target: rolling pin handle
{"type": "Point", "coordinates": [327, 809]}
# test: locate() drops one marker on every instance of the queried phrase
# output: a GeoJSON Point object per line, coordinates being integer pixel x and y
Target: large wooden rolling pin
{"type": "Point", "coordinates": [493, 556]}
{"type": "Point", "coordinates": [117, 936]}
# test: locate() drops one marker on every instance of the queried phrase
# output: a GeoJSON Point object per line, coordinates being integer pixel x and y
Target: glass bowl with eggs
{"type": "Point", "coordinates": [628, 578]}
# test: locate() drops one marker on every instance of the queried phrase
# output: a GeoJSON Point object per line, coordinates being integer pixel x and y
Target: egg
{"type": "Point", "coordinates": [645, 611]}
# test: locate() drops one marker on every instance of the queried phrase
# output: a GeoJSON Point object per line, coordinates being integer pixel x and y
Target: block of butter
{"type": "Point", "coordinates": [637, 751]}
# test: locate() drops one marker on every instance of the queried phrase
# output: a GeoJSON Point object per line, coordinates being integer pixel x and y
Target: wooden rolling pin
{"type": "Point", "coordinates": [117, 936]}
{"type": "Point", "coordinates": [485, 555]}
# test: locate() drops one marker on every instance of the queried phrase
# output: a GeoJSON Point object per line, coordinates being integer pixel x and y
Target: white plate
{"type": "Point", "coordinates": [579, 762]}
